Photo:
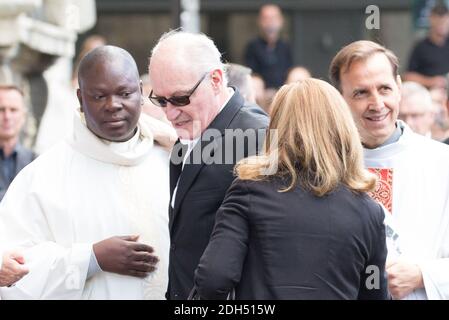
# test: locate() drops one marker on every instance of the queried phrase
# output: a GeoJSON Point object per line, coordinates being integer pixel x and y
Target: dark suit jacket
{"type": "Point", "coordinates": [24, 157]}
{"type": "Point", "coordinates": [294, 245]}
{"type": "Point", "coordinates": [202, 187]}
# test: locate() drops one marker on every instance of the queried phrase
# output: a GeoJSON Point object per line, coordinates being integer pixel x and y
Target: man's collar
{"type": "Point", "coordinates": [14, 152]}
{"type": "Point", "coordinates": [397, 133]}
{"type": "Point", "coordinates": [231, 107]}
{"type": "Point", "coordinates": [124, 146]}
{"type": "Point", "coordinates": [432, 41]}
{"type": "Point", "coordinates": [86, 142]}
{"type": "Point", "coordinates": [231, 91]}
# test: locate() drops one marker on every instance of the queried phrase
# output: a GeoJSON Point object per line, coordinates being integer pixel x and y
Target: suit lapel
{"type": "Point", "coordinates": [191, 169]}
{"type": "Point", "coordinates": [196, 159]}
{"type": "Point", "coordinates": [176, 156]}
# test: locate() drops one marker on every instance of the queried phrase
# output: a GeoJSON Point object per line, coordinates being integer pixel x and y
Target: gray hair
{"type": "Point", "coordinates": [238, 76]}
{"type": "Point", "coordinates": [12, 86]}
{"type": "Point", "coordinates": [196, 49]}
{"type": "Point", "coordinates": [414, 91]}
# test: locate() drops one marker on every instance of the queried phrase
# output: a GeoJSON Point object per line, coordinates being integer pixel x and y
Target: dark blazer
{"type": "Point", "coordinates": [294, 245]}
{"type": "Point", "coordinates": [202, 187]}
{"type": "Point", "coordinates": [23, 158]}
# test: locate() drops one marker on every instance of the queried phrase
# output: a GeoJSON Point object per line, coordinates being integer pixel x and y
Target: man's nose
{"type": "Point", "coordinates": [7, 114]}
{"type": "Point", "coordinates": [376, 102]}
{"type": "Point", "coordinates": [171, 112]}
{"type": "Point", "coordinates": [113, 103]}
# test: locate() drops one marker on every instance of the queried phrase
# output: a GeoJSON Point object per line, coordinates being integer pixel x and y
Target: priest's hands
{"type": "Point", "coordinates": [403, 278]}
{"type": "Point", "coordinates": [124, 255]}
{"type": "Point", "coordinates": [12, 268]}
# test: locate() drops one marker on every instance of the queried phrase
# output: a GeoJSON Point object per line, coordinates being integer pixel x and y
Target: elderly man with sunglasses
{"type": "Point", "coordinates": [189, 83]}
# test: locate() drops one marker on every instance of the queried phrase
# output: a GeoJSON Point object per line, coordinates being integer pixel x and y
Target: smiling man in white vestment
{"type": "Point", "coordinates": [90, 215]}
{"type": "Point", "coordinates": [413, 171]}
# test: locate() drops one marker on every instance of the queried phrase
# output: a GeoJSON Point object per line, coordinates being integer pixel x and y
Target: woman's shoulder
{"type": "Point", "coordinates": [361, 202]}
{"type": "Point", "coordinates": [266, 183]}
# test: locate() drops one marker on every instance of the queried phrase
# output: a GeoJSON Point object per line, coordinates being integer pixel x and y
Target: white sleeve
{"type": "Point", "coordinates": [94, 267]}
{"type": "Point", "coordinates": [436, 272]}
{"type": "Point", "coordinates": [436, 278]}
{"type": "Point", "coordinates": [57, 271]}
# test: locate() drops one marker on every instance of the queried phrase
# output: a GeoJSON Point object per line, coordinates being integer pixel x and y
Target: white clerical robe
{"type": "Point", "coordinates": [414, 175]}
{"type": "Point", "coordinates": [82, 191]}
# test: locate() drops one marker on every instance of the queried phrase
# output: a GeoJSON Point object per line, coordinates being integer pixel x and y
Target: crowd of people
{"type": "Point", "coordinates": [187, 183]}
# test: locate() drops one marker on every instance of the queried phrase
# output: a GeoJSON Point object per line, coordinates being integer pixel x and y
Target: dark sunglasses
{"type": "Point", "coordinates": [177, 101]}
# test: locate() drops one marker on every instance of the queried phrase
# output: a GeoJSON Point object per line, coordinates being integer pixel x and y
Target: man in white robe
{"type": "Point", "coordinates": [91, 213]}
{"type": "Point", "coordinates": [413, 171]}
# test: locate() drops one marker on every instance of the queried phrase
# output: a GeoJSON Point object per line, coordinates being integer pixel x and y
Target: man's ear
{"type": "Point", "coordinates": [80, 99]}
{"type": "Point", "coordinates": [217, 79]}
{"type": "Point", "coordinates": [399, 81]}
{"type": "Point", "coordinates": [399, 84]}
{"type": "Point", "coordinates": [142, 99]}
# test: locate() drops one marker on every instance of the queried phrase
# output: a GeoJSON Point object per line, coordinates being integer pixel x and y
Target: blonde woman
{"type": "Point", "coordinates": [308, 231]}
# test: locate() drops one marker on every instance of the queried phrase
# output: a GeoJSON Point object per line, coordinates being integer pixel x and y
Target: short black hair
{"type": "Point", "coordinates": [440, 9]}
{"type": "Point", "coordinates": [107, 53]}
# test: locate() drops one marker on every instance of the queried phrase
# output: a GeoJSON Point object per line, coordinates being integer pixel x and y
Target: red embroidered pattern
{"type": "Point", "coordinates": [384, 188]}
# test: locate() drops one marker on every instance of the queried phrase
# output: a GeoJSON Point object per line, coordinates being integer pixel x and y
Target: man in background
{"type": "Point", "coordinates": [429, 61]}
{"type": "Point", "coordinates": [417, 108]}
{"type": "Point", "coordinates": [240, 77]}
{"type": "Point", "coordinates": [13, 156]}
{"type": "Point", "coordinates": [297, 73]}
{"type": "Point", "coordinates": [268, 55]}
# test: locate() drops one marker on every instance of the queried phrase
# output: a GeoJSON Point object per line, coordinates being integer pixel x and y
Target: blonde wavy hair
{"type": "Point", "coordinates": [318, 145]}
